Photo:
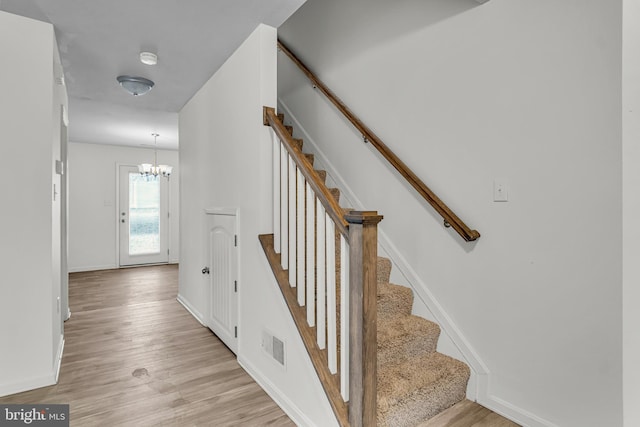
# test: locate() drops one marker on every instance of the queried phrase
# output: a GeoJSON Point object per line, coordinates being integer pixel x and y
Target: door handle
{"type": "Point", "coordinates": [205, 270]}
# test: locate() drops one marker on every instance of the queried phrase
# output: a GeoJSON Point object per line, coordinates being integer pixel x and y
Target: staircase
{"type": "Point", "coordinates": [411, 381]}
{"type": "Point", "coordinates": [415, 382]}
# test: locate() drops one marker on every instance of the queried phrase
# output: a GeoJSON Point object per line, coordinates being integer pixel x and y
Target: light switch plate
{"type": "Point", "coordinates": [500, 192]}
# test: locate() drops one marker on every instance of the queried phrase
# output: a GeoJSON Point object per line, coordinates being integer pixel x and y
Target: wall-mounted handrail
{"type": "Point", "coordinates": [450, 218]}
{"type": "Point", "coordinates": [330, 204]}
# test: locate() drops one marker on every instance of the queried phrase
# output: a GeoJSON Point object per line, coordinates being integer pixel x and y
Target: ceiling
{"type": "Point", "coordinates": [101, 39]}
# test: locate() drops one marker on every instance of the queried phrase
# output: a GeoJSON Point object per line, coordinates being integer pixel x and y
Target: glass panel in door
{"type": "Point", "coordinates": [144, 215]}
{"type": "Point", "coordinates": [142, 218]}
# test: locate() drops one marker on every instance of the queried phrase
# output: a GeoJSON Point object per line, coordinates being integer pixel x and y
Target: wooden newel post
{"type": "Point", "coordinates": [363, 254]}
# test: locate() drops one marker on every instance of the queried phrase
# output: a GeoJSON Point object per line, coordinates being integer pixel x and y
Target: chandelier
{"type": "Point", "coordinates": [154, 170]}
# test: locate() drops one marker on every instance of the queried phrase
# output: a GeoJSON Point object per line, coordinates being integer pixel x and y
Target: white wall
{"type": "Point", "coordinates": [30, 326]}
{"type": "Point", "coordinates": [225, 158]}
{"type": "Point", "coordinates": [631, 211]}
{"type": "Point", "coordinates": [523, 91]}
{"type": "Point", "coordinates": [59, 274]}
{"type": "Point", "coordinates": [93, 216]}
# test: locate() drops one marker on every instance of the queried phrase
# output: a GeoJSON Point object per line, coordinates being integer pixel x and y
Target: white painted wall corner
{"type": "Point", "coordinates": [195, 313]}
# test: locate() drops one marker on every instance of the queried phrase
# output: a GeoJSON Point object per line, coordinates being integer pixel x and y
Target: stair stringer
{"type": "Point", "coordinates": [286, 403]}
{"type": "Point", "coordinates": [452, 342]}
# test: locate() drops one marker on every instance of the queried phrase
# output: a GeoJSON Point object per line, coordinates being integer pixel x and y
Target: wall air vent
{"type": "Point", "coordinates": [274, 347]}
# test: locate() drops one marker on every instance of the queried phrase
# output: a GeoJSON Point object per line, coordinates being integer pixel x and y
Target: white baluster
{"type": "Point", "coordinates": [284, 208]}
{"type": "Point", "coordinates": [344, 318]}
{"type": "Point", "coordinates": [321, 331]}
{"type": "Point", "coordinates": [276, 193]}
{"type": "Point", "coordinates": [311, 256]}
{"type": "Point", "coordinates": [300, 217]}
{"type": "Point", "coordinates": [292, 223]}
{"type": "Point", "coordinates": [332, 339]}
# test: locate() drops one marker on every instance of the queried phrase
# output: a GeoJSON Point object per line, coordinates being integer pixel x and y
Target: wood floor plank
{"type": "Point", "coordinates": [468, 414]}
{"type": "Point", "coordinates": [135, 357]}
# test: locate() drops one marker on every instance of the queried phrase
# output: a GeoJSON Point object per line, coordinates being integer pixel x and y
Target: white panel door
{"type": "Point", "coordinates": [143, 218]}
{"type": "Point", "coordinates": [221, 275]}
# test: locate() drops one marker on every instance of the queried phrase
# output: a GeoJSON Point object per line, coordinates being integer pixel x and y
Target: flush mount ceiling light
{"type": "Point", "coordinates": [148, 58]}
{"type": "Point", "coordinates": [135, 85]}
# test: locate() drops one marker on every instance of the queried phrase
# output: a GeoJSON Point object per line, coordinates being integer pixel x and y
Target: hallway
{"type": "Point", "coordinates": [135, 357]}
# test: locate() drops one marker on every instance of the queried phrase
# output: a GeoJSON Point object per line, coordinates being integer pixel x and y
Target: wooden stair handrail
{"type": "Point", "coordinates": [330, 204]}
{"type": "Point", "coordinates": [450, 218]}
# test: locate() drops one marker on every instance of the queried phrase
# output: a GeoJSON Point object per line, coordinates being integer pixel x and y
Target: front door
{"type": "Point", "coordinates": [143, 218]}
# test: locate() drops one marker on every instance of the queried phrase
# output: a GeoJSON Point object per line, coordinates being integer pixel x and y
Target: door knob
{"type": "Point", "coordinates": [205, 270]}
{"type": "Point", "coordinates": [123, 221]}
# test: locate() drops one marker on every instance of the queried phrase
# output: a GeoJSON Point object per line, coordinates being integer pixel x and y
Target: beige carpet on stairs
{"type": "Point", "coordinates": [415, 382]}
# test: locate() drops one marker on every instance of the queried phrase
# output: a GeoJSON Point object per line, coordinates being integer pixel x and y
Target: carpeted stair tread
{"type": "Point", "coordinates": [309, 157]}
{"type": "Point", "coordinates": [298, 143]}
{"type": "Point", "coordinates": [413, 390]}
{"type": "Point", "coordinates": [322, 174]}
{"type": "Point", "coordinates": [394, 301]}
{"type": "Point", "coordinates": [289, 129]}
{"type": "Point", "coordinates": [335, 193]}
{"type": "Point", "coordinates": [405, 337]}
{"type": "Point", "coordinates": [384, 270]}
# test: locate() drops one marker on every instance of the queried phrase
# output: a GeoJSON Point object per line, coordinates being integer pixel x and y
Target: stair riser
{"type": "Point", "coordinates": [415, 390]}
{"type": "Point", "coordinates": [394, 300]}
{"type": "Point", "coordinates": [407, 347]}
{"type": "Point", "coordinates": [425, 404]}
{"type": "Point", "coordinates": [384, 271]}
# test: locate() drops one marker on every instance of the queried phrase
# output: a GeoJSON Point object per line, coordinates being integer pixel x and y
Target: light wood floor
{"type": "Point", "coordinates": [134, 357]}
{"type": "Point", "coordinates": [468, 414]}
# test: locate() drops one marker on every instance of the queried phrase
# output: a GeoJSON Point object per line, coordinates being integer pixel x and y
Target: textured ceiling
{"type": "Point", "coordinates": [101, 39]}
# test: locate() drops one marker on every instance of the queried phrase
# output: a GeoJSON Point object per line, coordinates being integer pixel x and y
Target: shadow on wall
{"type": "Point", "coordinates": [358, 23]}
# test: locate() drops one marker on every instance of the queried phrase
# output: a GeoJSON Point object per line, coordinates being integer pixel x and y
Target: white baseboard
{"type": "Point", "coordinates": [281, 399]}
{"type": "Point", "coordinates": [37, 382]}
{"type": "Point", "coordinates": [195, 313]}
{"type": "Point", "coordinates": [28, 384]}
{"type": "Point", "coordinates": [512, 412]}
{"type": "Point", "coordinates": [58, 360]}
{"type": "Point", "coordinates": [92, 268]}
{"type": "Point", "coordinates": [114, 267]}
